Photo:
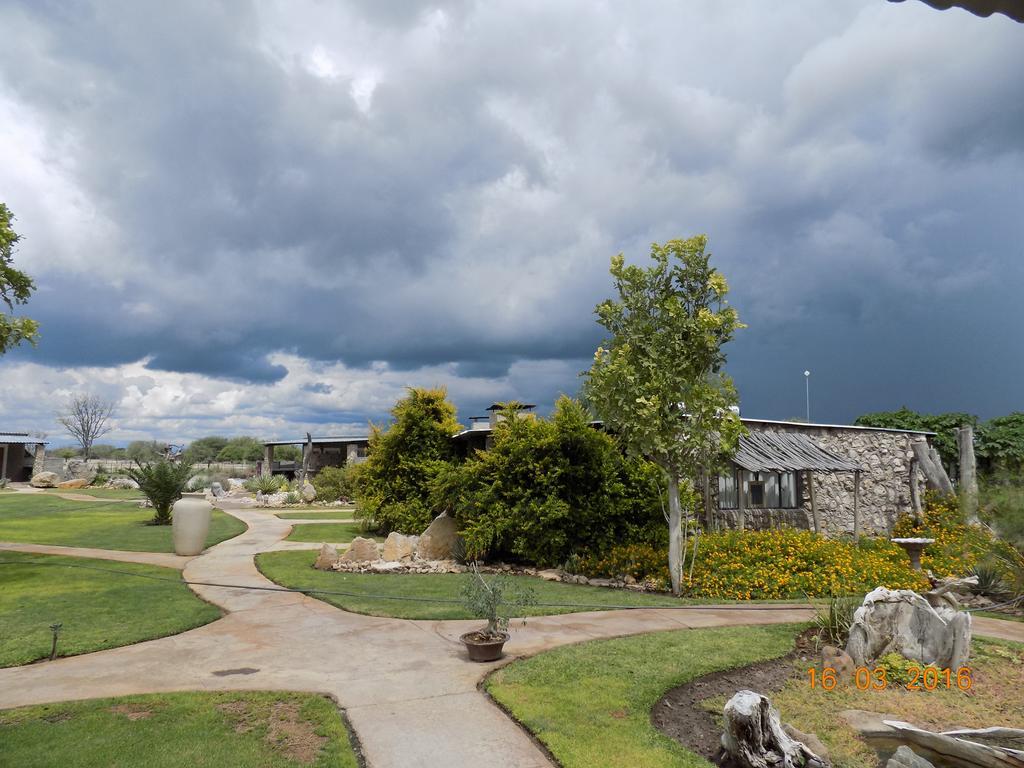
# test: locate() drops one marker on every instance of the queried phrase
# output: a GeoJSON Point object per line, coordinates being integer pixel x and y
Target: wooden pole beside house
{"type": "Point", "coordinates": [915, 492]}
{"type": "Point", "coordinates": [968, 472]}
{"type": "Point", "coordinates": [814, 501]}
{"type": "Point", "coordinates": [268, 460]}
{"type": "Point", "coordinates": [856, 505]}
{"type": "Point", "coordinates": [741, 520]}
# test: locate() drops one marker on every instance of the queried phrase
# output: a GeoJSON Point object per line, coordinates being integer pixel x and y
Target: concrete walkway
{"type": "Point", "coordinates": [406, 686]}
{"type": "Point", "coordinates": [164, 559]}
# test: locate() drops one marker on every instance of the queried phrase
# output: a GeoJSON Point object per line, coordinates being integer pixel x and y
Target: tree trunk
{"type": "Point", "coordinates": [675, 533]}
{"type": "Point", "coordinates": [935, 476]}
{"type": "Point", "coordinates": [968, 472]}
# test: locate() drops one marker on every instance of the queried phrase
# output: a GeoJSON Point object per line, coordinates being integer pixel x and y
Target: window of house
{"type": "Point", "coordinates": [761, 490]}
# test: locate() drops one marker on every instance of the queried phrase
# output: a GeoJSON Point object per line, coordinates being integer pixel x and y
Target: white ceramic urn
{"type": "Point", "coordinates": [191, 522]}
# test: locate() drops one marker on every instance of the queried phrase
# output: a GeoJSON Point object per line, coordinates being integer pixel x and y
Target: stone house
{"type": "Point", "coordinates": [19, 454]}
{"type": "Point", "coordinates": [845, 472]}
{"type": "Point", "coordinates": [325, 452]}
{"type": "Point", "coordinates": [853, 479]}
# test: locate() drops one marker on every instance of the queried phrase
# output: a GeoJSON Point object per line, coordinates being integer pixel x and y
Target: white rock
{"type": "Point", "coordinates": [327, 558]}
{"type": "Point", "coordinates": [45, 480]}
{"type": "Point", "coordinates": [361, 550]}
{"type": "Point", "coordinates": [438, 541]}
{"type": "Point", "coordinates": [398, 546]}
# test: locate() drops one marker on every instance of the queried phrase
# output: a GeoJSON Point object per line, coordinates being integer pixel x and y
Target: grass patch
{"type": "Point", "coordinates": [295, 569]}
{"type": "Point", "coordinates": [46, 519]}
{"type": "Point", "coordinates": [590, 704]}
{"type": "Point", "coordinates": [114, 494]}
{"type": "Point", "coordinates": [98, 610]}
{"type": "Point", "coordinates": [202, 730]}
{"type": "Point", "coordinates": [333, 533]}
{"type": "Point", "coordinates": [340, 513]}
{"type": "Point", "coordinates": [996, 698]}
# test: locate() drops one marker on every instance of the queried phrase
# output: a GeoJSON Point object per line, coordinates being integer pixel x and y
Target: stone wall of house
{"type": "Point", "coordinates": [884, 485]}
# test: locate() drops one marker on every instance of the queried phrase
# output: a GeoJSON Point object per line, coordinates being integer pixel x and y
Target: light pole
{"type": "Point", "coordinates": [807, 385]}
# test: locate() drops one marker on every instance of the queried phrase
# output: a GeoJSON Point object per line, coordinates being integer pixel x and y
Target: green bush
{"type": "Point", "coordinates": [1001, 505]}
{"type": "Point", "coordinates": [958, 546]}
{"type": "Point", "coordinates": [547, 489]}
{"type": "Point", "coordinates": [898, 670]}
{"type": "Point", "coordinates": [162, 482]}
{"type": "Point", "coordinates": [766, 565]}
{"type": "Point", "coordinates": [833, 621]}
{"type": "Point", "coordinates": [265, 483]}
{"type": "Point", "coordinates": [334, 483]}
{"type": "Point", "coordinates": [394, 482]}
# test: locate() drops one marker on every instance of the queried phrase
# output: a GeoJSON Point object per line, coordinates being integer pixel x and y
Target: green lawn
{"type": "Point", "coordinates": [113, 494]}
{"type": "Point", "coordinates": [294, 569]}
{"type": "Point", "coordinates": [200, 730]}
{"type": "Point", "coordinates": [333, 533]}
{"type": "Point", "coordinates": [590, 704]}
{"type": "Point", "coordinates": [340, 513]}
{"type": "Point", "coordinates": [97, 610]}
{"type": "Point", "coordinates": [46, 519]}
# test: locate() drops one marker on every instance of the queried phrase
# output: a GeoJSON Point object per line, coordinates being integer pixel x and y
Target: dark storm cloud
{"type": "Point", "coordinates": [431, 184]}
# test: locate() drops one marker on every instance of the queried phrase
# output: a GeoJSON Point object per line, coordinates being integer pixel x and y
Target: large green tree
{"type": "Point", "coordinates": [204, 450]}
{"type": "Point", "coordinates": [15, 288]}
{"type": "Point", "coordinates": [657, 380]}
{"type": "Point", "coordinates": [245, 449]}
{"type": "Point", "coordinates": [402, 460]}
{"type": "Point", "coordinates": [548, 489]}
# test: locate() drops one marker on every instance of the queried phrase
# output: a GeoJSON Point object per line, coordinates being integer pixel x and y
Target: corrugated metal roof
{"type": "Point", "coordinates": [19, 438]}
{"type": "Point", "coordinates": [321, 440]}
{"type": "Point", "coordinates": [787, 452]}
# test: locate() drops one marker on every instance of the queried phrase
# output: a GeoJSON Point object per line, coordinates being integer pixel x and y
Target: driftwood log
{"type": "Point", "coordinates": [931, 467]}
{"type": "Point", "coordinates": [905, 622]}
{"type": "Point", "coordinates": [754, 737]}
{"type": "Point", "coordinates": [965, 748]}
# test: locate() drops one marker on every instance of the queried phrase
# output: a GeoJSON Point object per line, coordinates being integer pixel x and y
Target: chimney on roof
{"type": "Point", "coordinates": [497, 410]}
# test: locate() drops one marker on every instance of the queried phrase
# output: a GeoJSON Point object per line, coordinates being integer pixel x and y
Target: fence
{"type": "Point", "coordinates": [112, 466]}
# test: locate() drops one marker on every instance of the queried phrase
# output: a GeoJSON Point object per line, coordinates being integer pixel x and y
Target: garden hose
{"type": "Point", "coordinates": [410, 598]}
{"type": "Point", "coordinates": [447, 601]}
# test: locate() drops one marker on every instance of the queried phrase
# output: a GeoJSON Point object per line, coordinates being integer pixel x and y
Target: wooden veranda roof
{"type": "Point", "coordinates": [787, 452]}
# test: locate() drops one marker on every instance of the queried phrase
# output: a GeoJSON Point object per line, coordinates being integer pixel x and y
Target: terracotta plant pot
{"type": "Point", "coordinates": [482, 648]}
{"type": "Point", "coordinates": [190, 520]}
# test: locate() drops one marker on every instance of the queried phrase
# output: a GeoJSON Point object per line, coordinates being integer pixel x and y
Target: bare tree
{"type": "Point", "coordinates": [86, 419]}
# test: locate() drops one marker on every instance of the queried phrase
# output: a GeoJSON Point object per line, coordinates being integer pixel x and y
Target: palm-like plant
{"type": "Point", "coordinates": [162, 482]}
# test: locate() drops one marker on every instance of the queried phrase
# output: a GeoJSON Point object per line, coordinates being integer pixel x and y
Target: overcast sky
{"type": "Point", "coordinates": [263, 218]}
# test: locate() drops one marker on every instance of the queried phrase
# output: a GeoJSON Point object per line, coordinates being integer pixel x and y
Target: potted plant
{"type": "Point", "coordinates": [491, 599]}
{"type": "Point", "coordinates": [163, 482]}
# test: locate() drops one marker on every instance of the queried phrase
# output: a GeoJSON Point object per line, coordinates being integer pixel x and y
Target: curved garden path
{"type": "Point", "coordinates": [407, 689]}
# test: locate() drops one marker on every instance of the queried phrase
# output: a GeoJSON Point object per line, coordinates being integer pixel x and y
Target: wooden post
{"type": "Point", "coordinates": [268, 460]}
{"type": "Point", "coordinates": [856, 505]}
{"type": "Point", "coordinates": [741, 520]}
{"type": "Point", "coordinates": [814, 502]}
{"type": "Point", "coordinates": [915, 492]}
{"type": "Point", "coordinates": [968, 472]}
{"type": "Point", "coordinates": [709, 515]}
